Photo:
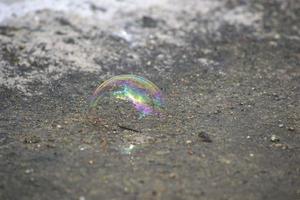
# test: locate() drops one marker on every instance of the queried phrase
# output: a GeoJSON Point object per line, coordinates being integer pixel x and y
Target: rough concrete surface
{"type": "Point", "coordinates": [230, 71]}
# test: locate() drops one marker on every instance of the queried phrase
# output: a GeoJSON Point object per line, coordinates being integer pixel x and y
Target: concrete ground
{"type": "Point", "coordinates": [230, 72]}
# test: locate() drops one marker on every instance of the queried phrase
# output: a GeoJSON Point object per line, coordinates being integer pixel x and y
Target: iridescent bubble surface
{"type": "Point", "coordinates": [142, 94]}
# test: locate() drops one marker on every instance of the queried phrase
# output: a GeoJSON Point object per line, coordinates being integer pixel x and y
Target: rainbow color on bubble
{"type": "Point", "coordinates": [144, 95]}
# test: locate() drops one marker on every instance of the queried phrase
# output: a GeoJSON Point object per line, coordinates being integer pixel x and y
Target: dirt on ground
{"type": "Point", "coordinates": [230, 74]}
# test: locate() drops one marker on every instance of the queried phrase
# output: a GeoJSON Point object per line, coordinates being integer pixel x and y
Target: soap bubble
{"type": "Point", "coordinates": [125, 98]}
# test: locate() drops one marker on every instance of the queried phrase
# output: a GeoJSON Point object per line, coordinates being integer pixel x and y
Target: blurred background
{"type": "Point", "coordinates": [229, 70]}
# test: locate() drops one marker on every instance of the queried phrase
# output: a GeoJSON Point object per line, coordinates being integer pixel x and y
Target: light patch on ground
{"type": "Point", "coordinates": [104, 10]}
{"type": "Point", "coordinates": [68, 35]}
{"type": "Point", "coordinates": [241, 15]}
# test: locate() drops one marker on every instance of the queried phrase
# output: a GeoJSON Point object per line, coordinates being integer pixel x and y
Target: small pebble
{"type": "Point", "coordinates": [58, 126]}
{"type": "Point", "coordinates": [251, 154]}
{"type": "Point", "coordinates": [217, 111]}
{"type": "Point", "coordinates": [188, 142]}
{"type": "Point", "coordinates": [126, 189]}
{"type": "Point", "coordinates": [32, 140]}
{"type": "Point", "coordinates": [173, 175]}
{"type": "Point", "coordinates": [27, 171]}
{"type": "Point", "coordinates": [279, 145]}
{"type": "Point", "coordinates": [248, 137]}
{"type": "Point", "coordinates": [280, 125]}
{"type": "Point", "coordinates": [274, 138]}
{"type": "Point", "coordinates": [190, 152]}
{"type": "Point", "coordinates": [277, 36]}
{"type": "Point", "coordinates": [291, 128]}
{"type": "Point", "coordinates": [225, 160]}
{"type": "Point", "coordinates": [204, 137]}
